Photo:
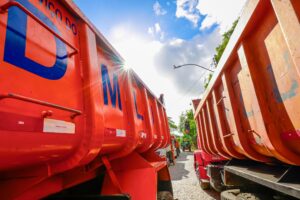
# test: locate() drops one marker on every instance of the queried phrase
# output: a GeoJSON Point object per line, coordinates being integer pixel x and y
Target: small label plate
{"type": "Point", "coordinates": [58, 126]}
{"type": "Point", "coordinates": [121, 133]}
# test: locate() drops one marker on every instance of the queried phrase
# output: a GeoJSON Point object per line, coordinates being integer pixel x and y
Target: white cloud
{"type": "Point", "coordinates": [176, 42]}
{"type": "Point", "coordinates": [151, 31]}
{"type": "Point", "coordinates": [153, 61]}
{"type": "Point", "coordinates": [199, 50]}
{"type": "Point", "coordinates": [153, 58]}
{"type": "Point", "coordinates": [158, 10]}
{"type": "Point", "coordinates": [137, 51]}
{"type": "Point", "coordinates": [187, 9]}
{"type": "Point", "coordinates": [215, 12]}
{"type": "Point", "coordinates": [220, 12]}
{"type": "Point", "coordinates": [156, 31]}
{"type": "Point", "coordinates": [157, 28]}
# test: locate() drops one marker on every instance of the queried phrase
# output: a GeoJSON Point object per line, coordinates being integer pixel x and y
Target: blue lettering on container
{"type": "Point", "coordinates": [283, 96]}
{"type": "Point", "coordinates": [114, 91]}
{"type": "Point", "coordinates": [15, 44]}
{"type": "Point", "coordinates": [139, 116]}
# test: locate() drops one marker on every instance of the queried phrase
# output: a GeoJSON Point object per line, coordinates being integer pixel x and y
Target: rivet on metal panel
{"type": "Point", "coordinates": [47, 113]}
{"type": "Point", "coordinates": [75, 115]}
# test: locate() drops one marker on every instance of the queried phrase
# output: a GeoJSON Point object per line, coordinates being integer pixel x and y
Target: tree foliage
{"type": "Point", "coordinates": [172, 124]}
{"type": "Point", "coordinates": [221, 48]}
{"type": "Point", "coordinates": [207, 81]}
{"type": "Point", "coordinates": [188, 117]}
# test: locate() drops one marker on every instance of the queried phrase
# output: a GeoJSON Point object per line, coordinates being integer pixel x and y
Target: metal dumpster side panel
{"type": "Point", "coordinates": [209, 133]}
{"type": "Point", "coordinates": [260, 75]}
{"type": "Point", "coordinates": [205, 133]}
{"type": "Point", "coordinates": [112, 88]}
{"type": "Point", "coordinates": [38, 72]}
{"type": "Point", "coordinates": [213, 129]}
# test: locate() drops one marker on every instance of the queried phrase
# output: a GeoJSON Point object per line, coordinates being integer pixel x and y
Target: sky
{"type": "Point", "coordinates": [154, 35]}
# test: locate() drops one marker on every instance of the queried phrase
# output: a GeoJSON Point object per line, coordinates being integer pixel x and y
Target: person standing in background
{"type": "Point", "coordinates": [177, 146]}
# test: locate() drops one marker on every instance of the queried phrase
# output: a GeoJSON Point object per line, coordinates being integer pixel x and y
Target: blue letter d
{"type": "Point", "coordinates": [15, 44]}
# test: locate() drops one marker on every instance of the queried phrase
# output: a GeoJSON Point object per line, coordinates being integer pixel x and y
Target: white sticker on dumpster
{"type": "Point", "coordinates": [58, 126]}
{"type": "Point", "coordinates": [121, 133]}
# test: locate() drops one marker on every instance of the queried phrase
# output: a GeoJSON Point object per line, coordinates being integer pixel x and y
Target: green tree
{"type": "Point", "coordinates": [172, 124]}
{"type": "Point", "coordinates": [221, 48]}
{"type": "Point", "coordinates": [188, 117]}
{"type": "Point", "coordinates": [207, 80]}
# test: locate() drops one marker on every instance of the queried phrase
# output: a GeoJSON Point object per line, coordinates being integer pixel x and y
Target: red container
{"type": "Point", "coordinates": [201, 158]}
{"type": "Point", "coordinates": [254, 91]}
{"type": "Point", "coordinates": [68, 106]}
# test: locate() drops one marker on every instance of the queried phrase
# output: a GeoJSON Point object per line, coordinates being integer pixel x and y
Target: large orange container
{"type": "Point", "coordinates": [68, 108]}
{"type": "Point", "coordinates": [252, 101]}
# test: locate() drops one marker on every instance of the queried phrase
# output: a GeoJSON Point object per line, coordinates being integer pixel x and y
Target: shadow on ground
{"type": "Point", "coordinates": [185, 182]}
{"type": "Point", "coordinates": [213, 194]}
{"type": "Point", "coordinates": [179, 168]}
{"type": "Point", "coordinates": [179, 171]}
{"type": "Point", "coordinates": [183, 156]}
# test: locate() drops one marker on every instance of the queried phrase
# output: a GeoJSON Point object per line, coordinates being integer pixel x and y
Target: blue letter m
{"type": "Point", "coordinates": [113, 91]}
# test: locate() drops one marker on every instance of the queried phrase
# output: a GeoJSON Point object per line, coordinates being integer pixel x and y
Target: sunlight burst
{"type": "Point", "coordinates": [126, 67]}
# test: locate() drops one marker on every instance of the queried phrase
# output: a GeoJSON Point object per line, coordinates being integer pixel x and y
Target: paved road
{"type": "Point", "coordinates": [184, 180]}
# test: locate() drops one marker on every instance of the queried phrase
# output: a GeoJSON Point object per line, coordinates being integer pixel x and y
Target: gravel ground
{"type": "Point", "coordinates": [184, 180]}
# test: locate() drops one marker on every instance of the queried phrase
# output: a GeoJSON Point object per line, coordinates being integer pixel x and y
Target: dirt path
{"type": "Point", "coordinates": [184, 180]}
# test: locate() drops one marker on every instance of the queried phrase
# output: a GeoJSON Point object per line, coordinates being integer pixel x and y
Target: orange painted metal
{"type": "Point", "coordinates": [204, 134]}
{"type": "Point", "coordinates": [156, 121]}
{"type": "Point", "coordinates": [214, 131]}
{"type": "Point", "coordinates": [11, 3]}
{"type": "Point", "coordinates": [127, 170]}
{"type": "Point", "coordinates": [219, 111]}
{"type": "Point", "coordinates": [255, 90]}
{"type": "Point", "coordinates": [67, 104]}
{"type": "Point", "coordinates": [208, 132]}
{"type": "Point", "coordinates": [148, 141]}
{"type": "Point", "coordinates": [165, 138]}
{"type": "Point", "coordinates": [200, 140]}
